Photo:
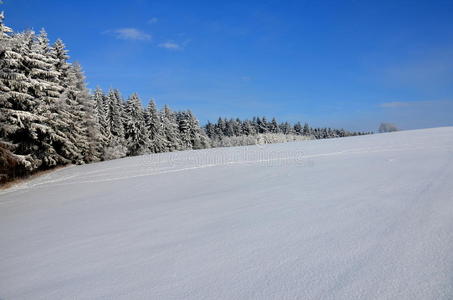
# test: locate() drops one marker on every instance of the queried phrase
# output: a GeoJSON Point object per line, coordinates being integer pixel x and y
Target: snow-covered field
{"type": "Point", "coordinates": [367, 217]}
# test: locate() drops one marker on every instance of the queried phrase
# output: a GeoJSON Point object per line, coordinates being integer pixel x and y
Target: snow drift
{"type": "Point", "coordinates": [367, 217]}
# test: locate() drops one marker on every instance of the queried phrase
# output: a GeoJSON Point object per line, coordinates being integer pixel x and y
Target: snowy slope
{"type": "Point", "coordinates": [366, 217]}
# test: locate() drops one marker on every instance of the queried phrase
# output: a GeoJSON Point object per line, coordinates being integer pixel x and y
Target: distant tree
{"type": "Point", "coordinates": [263, 125]}
{"type": "Point", "coordinates": [298, 129]}
{"type": "Point", "coordinates": [210, 129]}
{"type": "Point", "coordinates": [387, 127]}
{"type": "Point", "coordinates": [274, 127]}
{"type": "Point", "coordinates": [285, 128]}
{"type": "Point", "coordinates": [237, 126]}
{"type": "Point", "coordinates": [229, 127]}
{"type": "Point", "coordinates": [221, 127]}
{"type": "Point", "coordinates": [307, 130]}
{"type": "Point", "coordinates": [248, 128]}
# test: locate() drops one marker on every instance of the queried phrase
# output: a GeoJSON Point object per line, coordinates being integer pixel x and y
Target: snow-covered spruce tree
{"type": "Point", "coordinates": [285, 128]}
{"type": "Point", "coordinates": [221, 127]}
{"type": "Point", "coordinates": [99, 102]}
{"type": "Point", "coordinates": [114, 111]}
{"type": "Point", "coordinates": [26, 76]}
{"type": "Point", "coordinates": [158, 142]}
{"type": "Point", "coordinates": [170, 127]}
{"type": "Point", "coordinates": [237, 125]}
{"type": "Point", "coordinates": [68, 112]}
{"type": "Point", "coordinates": [13, 89]}
{"type": "Point", "coordinates": [49, 73]}
{"type": "Point", "coordinates": [135, 133]}
{"type": "Point", "coordinates": [191, 135]}
{"type": "Point", "coordinates": [307, 129]}
{"type": "Point", "coordinates": [298, 128]}
{"type": "Point", "coordinates": [86, 122]}
{"type": "Point", "coordinates": [273, 126]}
{"type": "Point", "coordinates": [198, 136]}
{"type": "Point", "coordinates": [182, 120]}
{"type": "Point", "coordinates": [261, 125]}
{"type": "Point", "coordinates": [229, 127]}
{"type": "Point", "coordinates": [210, 130]}
{"type": "Point", "coordinates": [248, 128]}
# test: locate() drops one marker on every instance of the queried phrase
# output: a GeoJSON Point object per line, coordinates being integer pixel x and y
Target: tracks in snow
{"type": "Point", "coordinates": [175, 162]}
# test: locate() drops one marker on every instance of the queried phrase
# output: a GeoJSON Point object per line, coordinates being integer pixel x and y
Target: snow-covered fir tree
{"type": "Point", "coordinates": [170, 128]}
{"type": "Point", "coordinates": [114, 112]}
{"type": "Point", "coordinates": [23, 125]}
{"type": "Point", "coordinates": [67, 111]}
{"type": "Point", "coordinates": [154, 126]}
{"type": "Point", "coordinates": [99, 102]}
{"type": "Point", "coordinates": [274, 127]}
{"type": "Point", "coordinates": [16, 106]}
{"type": "Point", "coordinates": [47, 88]}
{"type": "Point", "coordinates": [191, 135]}
{"type": "Point", "coordinates": [135, 131]}
{"type": "Point", "coordinates": [87, 124]}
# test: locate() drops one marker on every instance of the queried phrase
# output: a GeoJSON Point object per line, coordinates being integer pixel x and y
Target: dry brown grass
{"type": "Point", "coordinates": [19, 180]}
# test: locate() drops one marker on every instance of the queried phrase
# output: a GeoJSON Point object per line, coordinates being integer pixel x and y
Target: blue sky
{"type": "Point", "coordinates": [350, 64]}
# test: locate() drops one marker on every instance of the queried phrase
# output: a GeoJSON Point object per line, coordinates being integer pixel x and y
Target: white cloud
{"type": "Point", "coordinates": [153, 20]}
{"type": "Point", "coordinates": [130, 34]}
{"type": "Point", "coordinates": [171, 46]}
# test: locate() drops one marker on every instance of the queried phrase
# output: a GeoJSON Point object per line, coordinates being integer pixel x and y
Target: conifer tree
{"type": "Point", "coordinates": [49, 88]}
{"type": "Point", "coordinates": [307, 129]}
{"type": "Point", "coordinates": [198, 137]}
{"type": "Point", "coordinates": [182, 120]}
{"type": "Point", "coordinates": [65, 117]}
{"type": "Point", "coordinates": [248, 128]}
{"type": "Point", "coordinates": [84, 111]}
{"type": "Point", "coordinates": [273, 126]}
{"type": "Point", "coordinates": [237, 126]}
{"type": "Point", "coordinates": [136, 135]}
{"type": "Point", "coordinates": [171, 130]}
{"type": "Point", "coordinates": [24, 95]}
{"type": "Point", "coordinates": [191, 135]}
{"type": "Point", "coordinates": [210, 130]}
{"type": "Point", "coordinates": [298, 129]}
{"type": "Point", "coordinates": [99, 102]}
{"type": "Point", "coordinates": [114, 112]}
{"type": "Point", "coordinates": [16, 106]}
{"type": "Point", "coordinates": [155, 129]}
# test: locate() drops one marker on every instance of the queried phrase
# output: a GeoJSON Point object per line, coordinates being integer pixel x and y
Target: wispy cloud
{"type": "Point", "coordinates": [175, 46]}
{"type": "Point", "coordinates": [129, 34]}
{"type": "Point", "coordinates": [171, 46]}
{"type": "Point", "coordinates": [153, 20]}
{"type": "Point", "coordinates": [399, 104]}
{"type": "Point", "coordinates": [394, 104]}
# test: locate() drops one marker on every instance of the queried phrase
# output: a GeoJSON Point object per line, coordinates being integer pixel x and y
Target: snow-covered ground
{"type": "Point", "coordinates": [367, 217]}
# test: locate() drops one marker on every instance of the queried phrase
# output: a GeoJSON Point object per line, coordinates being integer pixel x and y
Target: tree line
{"type": "Point", "coordinates": [237, 127]}
{"type": "Point", "coordinates": [48, 117]}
